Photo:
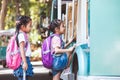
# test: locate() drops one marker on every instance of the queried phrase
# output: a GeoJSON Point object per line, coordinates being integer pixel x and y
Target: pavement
{"type": "Point", "coordinates": [37, 65]}
{"type": "Point", "coordinates": [40, 72]}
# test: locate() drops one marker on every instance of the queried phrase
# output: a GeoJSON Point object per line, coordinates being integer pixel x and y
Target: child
{"type": "Point", "coordinates": [23, 26]}
{"type": "Point", "coordinates": [58, 48]}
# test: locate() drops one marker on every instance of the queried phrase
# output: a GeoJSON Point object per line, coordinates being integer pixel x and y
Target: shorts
{"type": "Point", "coordinates": [59, 63]}
{"type": "Point", "coordinates": [19, 72]}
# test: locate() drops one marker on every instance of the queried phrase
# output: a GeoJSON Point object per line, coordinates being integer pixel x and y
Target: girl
{"type": "Point", "coordinates": [60, 54]}
{"type": "Point", "coordinates": [23, 26]}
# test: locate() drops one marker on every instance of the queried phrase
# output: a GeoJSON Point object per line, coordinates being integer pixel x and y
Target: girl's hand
{"type": "Point", "coordinates": [71, 39]}
{"type": "Point", "coordinates": [72, 48]}
{"type": "Point", "coordinates": [25, 66]}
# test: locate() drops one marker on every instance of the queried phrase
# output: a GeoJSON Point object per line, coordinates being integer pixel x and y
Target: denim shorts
{"type": "Point", "coordinates": [59, 63]}
{"type": "Point", "coordinates": [19, 72]}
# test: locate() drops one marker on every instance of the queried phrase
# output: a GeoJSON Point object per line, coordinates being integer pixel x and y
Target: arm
{"type": "Point", "coordinates": [67, 44]}
{"type": "Point", "coordinates": [22, 51]}
{"type": "Point", "coordinates": [57, 46]}
{"type": "Point", "coordinates": [70, 41]}
{"type": "Point", "coordinates": [59, 50]}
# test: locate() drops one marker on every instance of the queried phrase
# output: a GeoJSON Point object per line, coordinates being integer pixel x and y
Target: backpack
{"type": "Point", "coordinates": [47, 55]}
{"type": "Point", "coordinates": [13, 57]}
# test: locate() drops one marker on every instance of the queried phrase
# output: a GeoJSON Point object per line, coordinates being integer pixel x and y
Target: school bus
{"type": "Point", "coordinates": [95, 24]}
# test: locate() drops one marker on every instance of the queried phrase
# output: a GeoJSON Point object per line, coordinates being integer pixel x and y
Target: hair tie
{"type": "Point", "coordinates": [17, 22]}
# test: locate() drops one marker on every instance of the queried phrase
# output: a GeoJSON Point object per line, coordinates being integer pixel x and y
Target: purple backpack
{"type": "Point", "coordinates": [47, 55]}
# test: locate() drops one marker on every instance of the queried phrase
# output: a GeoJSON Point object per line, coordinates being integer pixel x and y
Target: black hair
{"type": "Point", "coordinates": [55, 23]}
{"type": "Point", "coordinates": [22, 20]}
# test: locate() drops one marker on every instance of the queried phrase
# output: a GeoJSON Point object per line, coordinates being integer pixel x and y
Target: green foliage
{"type": "Point", "coordinates": [32, 8]}
{"type": "Point", "coordinates": [35, 38]}
{"type": "Point", "coordinates": [0, 5]}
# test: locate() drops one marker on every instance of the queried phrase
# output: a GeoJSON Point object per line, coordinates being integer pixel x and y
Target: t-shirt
{"type": "Point", "coordinates": [21, 38]}
{"type": "Point", "coordinates": [55, 42]}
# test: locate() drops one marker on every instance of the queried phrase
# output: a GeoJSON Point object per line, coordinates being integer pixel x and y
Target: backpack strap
{"type": "Point", "coordinates": [17, 39]}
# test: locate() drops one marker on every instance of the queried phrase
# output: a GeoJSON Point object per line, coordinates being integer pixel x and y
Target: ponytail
{"type": "Point", "coordinates": [17, 28]}
{"type": "Point", "coordinates": [21, 20]}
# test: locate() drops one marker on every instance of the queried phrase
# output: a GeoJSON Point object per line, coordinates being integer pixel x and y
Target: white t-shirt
{"type": "Point", "coordinates": [56, 42]}
{"type": "Point", "coordinates": [21, 38]}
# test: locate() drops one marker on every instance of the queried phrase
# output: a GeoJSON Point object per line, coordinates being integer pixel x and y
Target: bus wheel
{"type": "Point", "coordinates": [75, 65]}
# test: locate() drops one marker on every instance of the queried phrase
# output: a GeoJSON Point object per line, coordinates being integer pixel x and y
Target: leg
{"type": "Point", "coordinates": [69, 55]}
{"type": "Point", "coordinates": [57, 76]}
{"type": "Point", "coordinates": [69, 60]}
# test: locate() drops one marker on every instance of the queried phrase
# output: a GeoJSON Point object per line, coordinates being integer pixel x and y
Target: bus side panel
{"type": "Point", "coordinates": [105, 37]}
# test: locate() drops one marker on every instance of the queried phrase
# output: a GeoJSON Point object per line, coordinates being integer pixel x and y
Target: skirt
{"type": "Point", "coordinates": [59, 63]}
{"type": "Point", "coordinates": [19, 72]}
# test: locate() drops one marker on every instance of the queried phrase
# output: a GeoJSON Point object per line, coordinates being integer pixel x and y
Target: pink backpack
{"type": "Point", "coordinates": [13, 57]}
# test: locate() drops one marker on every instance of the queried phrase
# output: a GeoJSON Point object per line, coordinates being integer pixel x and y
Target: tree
{"type": "Point", "coordinates": [3, 14]}
{"type": "Point", "coordinates": [17, 3]}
